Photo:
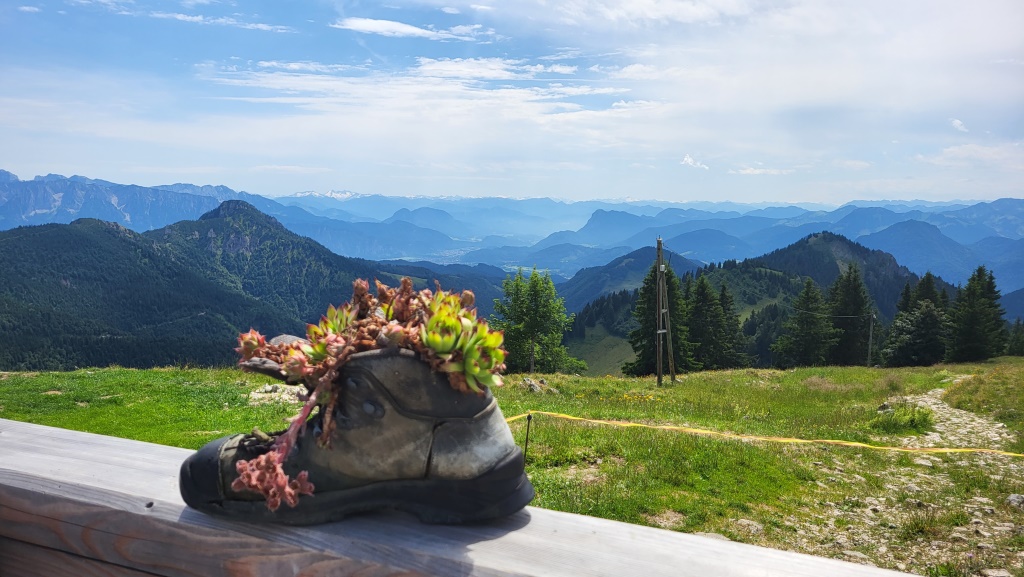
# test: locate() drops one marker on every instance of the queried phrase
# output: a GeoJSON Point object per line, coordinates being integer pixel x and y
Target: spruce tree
{"type": "Point", "coordinates": [906, 302]}
{"type": "Point", "coordinates": [735, 342]}
{"type": "Point", "coordinates": [643, 338]}
{"type": "Point", "coordinates": [808, 334]}
{"type": "Point", "coordinates": [999, 332]}
{"type": "Point", "coordinates": [977, 331]}
{"type": "Point", "coordinates": [925, 290]}
{"type": "Point", "coordinates": [761, 329]}
{"type": "Point", "coordinates": [705, 323]}
{"type": "Point", "coordinates": [916, 337]}
{"type": "Point", "coordinates": [851, 309]}
{"type": "Point", "coordinates": [1016, 344]}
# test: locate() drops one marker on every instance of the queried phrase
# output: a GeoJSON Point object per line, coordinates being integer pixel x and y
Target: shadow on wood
{"type": "Point", "coordinates": [79, 504]}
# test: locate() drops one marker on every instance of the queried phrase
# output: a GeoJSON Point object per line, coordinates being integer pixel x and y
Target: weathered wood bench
{"type": "Point", "coordinates": [78, 504]}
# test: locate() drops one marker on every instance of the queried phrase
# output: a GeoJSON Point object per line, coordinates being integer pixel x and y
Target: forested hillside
{"type": "Point", "coordinates": [763, 292]}
{"type": "Point", "coordinates": [93, 293]}
{"type": "Point", "coordinates": [824, 256]}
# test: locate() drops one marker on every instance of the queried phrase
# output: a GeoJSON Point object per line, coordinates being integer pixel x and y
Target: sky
{"type": "Point", "coordinates": [676, 100]}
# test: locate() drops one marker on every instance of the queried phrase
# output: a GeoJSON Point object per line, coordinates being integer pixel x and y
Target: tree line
{"type": "Point", "coordinates": [840, 325]}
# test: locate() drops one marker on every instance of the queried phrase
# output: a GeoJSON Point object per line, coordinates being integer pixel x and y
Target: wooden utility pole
{"type": "Point", "coordinates": [664, 320]}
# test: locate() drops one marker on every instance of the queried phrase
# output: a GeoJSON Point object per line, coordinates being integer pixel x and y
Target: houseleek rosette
{"type": "Point", "coordinates": [442, 327]}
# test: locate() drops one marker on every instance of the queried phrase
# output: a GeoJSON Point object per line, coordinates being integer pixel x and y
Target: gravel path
{"type": "Point", "coordinates": [967, 534]}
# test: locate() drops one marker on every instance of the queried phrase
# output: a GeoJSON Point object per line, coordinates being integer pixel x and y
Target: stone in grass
{"type": "Point", "coordinates": [996, 573]}
{"type": "Point", "coordinates": [752, 527]}
{"type": "Point", "coordinates": [858, 557]}
{"type": "Point", "coordinates": [1015, 500]}
{"type": "Point", "coordinates": [538, 386]}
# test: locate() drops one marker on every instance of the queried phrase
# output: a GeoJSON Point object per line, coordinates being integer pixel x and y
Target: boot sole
{"type": "Point", "coordinates": [497, 493]}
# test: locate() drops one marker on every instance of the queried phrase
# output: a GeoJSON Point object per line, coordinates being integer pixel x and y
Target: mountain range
{"type": "Point", "coordinates": [948, 239]}
{"type": "Point", "coordinates": [93, 292]}
{"type": "Point", "coordinates": [231, 259]}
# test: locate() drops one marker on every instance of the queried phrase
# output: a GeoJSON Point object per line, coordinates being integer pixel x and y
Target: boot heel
{"type": "Point", "coordinates": [496, 493]}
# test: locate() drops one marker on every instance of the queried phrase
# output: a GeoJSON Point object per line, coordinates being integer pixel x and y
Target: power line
{"type": "Point", "coordinates": [865, 315]}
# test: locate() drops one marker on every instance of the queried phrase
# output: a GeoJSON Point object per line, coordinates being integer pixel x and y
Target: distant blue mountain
{"type": "Point", "coordinates": [554, 235]}
{"type": "Point", "coordinates": [1013, 304]}
{"type": "Point", "coordinates": [921, 247]}
{"type": "Point", "coordinates": [707, 245]}
{"type": "Point", "coordinates": [626, 272]}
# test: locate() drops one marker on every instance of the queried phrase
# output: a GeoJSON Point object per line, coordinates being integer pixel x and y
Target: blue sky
{"type": "Point", "coordinates": [742, 100]}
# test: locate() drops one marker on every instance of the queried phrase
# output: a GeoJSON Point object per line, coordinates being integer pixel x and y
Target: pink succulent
{"type": "Point", "coordinates": [249, 343]}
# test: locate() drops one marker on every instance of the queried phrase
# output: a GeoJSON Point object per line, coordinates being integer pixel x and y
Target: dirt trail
{"type": "Point", "coordinates": [967, 533]}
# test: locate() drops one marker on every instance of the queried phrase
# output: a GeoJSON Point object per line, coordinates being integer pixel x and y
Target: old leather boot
{"type": "Point", "coordinates": [404, 439]}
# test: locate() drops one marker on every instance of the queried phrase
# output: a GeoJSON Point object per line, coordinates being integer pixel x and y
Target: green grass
{"type": "Point", "coordinates": [637, 475]}
{"type": "Point", "coordinates": [603, 352]}
{"type": "Point", "coordinates": [998, 393]}
{"type": "Point", "coordinates": [903, 418]}
{"type": "Point", "coordinates": [179, 407]}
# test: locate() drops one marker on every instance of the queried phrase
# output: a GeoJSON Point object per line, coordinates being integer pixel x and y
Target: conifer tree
{"type": "Point", "coordinates": [977, 331]}
{"type": "Point", "coordinates": [735, 342]}
{"type": "Point", "coordinates": [808, 334]}
{"type": "Point", "coordinates": [851, 309]}
{"type": "Point", "coordinates": [916, 337]}
{"type": "Point", "coordinates": [1016, 345]}
{"type": "Point", "coordinates": [999, 332]}
{"type": "Point", "coordinates": [762, 329]}
{"type": "Point", "coordinates": [705, 323]}
{"type": "Point", "coordinates": [906, 302]}
{"type": "Point", "coordinates": [925, 290]}
{"type": "Point", "coordinates": [643, 338]}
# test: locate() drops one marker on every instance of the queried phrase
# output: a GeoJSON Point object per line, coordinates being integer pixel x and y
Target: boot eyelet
{"type": "Point", "coordinates": [373, 409]}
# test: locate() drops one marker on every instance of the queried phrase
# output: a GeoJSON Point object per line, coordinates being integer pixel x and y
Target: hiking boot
{"type": "Point", "coordinates": [403, 439]}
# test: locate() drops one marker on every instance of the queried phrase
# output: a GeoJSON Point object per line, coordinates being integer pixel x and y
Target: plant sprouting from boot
{"type": "Point", "coordinates": [441, 327]}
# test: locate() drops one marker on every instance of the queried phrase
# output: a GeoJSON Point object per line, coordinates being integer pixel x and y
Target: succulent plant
{"type": "Point", "coordinates": [441, 326]}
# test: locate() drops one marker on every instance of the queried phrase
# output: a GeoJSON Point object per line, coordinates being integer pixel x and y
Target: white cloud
{"type": "Point", "coordinates": [762, 171]}
{"type": "Point", "coordinates": [797, 83]}
{"type": "Point", "coordinates": [561, 69]}
{"type": "Point", "coordinates": [290, 169]}
{"type": "Point", "coordinates": [689, 161]}
{"type": "Point", "coordinates": [315, 67]}
{"type": "Point", "coordinates": [852, 164]}
{"type": "Point", "coordinates": [636, 72]}
{"type": "Point", "coordinates": [642, 13]}
{"type": "Point", "coordinates": [28, 8]}
{"type": "Point", "coordinates": [1004, 157]}
{"type": "Point", "coordinates": [487, 68]}
{"type": "Point", "coordinates": [565, 54]}
{"type": "Point", "coordinates": [219, 21]}
{"type": "Point", "coordinates": [403, 30]}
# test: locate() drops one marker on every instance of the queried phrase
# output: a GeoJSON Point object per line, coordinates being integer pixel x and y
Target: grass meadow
{"type": "Point", "coordinates": [798, 495]}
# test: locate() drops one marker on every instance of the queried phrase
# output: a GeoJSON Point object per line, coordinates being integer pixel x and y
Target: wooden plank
{"type": "Point", "coordinates": [112, 499]}
{"type": "Point", "coordinates": [20, 558]}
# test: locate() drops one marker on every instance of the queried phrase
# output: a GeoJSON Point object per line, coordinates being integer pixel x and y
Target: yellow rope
{"type": "Point", "coordinates": [707, 432]}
